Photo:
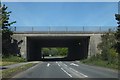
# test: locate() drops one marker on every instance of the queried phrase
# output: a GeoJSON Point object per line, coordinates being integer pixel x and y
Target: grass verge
{"type": "Point", "coordinates": [9, 73]}
{"type": "Point", "coordinates": [11, 60]}
{"type": "Point", "coordinates": [5, 63]}
{"type": "Point", "coordinates": [101, 63]}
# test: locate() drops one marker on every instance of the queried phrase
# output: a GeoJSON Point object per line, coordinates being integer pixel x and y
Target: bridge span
{"type": "Point", "coordinates": [80, 45]}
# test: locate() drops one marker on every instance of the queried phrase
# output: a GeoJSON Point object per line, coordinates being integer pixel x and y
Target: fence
{"type": "Point", "coordinates": [62, 28]}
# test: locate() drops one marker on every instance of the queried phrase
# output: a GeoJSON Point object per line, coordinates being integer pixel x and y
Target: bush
{"type": "Point", "coordinates": [13, 59]}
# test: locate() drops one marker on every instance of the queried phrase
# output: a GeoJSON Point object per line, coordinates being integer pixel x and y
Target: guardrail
{"type": "Point", "coordinates": [62, 29]}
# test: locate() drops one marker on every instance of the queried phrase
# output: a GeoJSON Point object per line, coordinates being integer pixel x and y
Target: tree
{"type": "Point", "coordinates": [6, 31]}
{"type": "Point", "coordinates": [107, 46]}
{"type": "Point", "coordinates": [62, 51]}
{"type": "Point", "coordinates": [45, 51]}
{"type": "Point", "coordinates": [54, 52]}
{"type": "Point", "coordinates": [118, 33]}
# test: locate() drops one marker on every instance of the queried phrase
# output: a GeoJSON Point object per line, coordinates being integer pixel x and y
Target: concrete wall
{"type": "Point", "coordinates": [23, 45]}
{"type": "Point", "coordinates": [94, 40]}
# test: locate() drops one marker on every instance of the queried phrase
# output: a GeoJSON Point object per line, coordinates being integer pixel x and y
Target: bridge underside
{"type": "Point", "coordinates": [77, 46]}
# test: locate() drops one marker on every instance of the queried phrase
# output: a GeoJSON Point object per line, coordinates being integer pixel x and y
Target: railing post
{"type": "Point", "coordinates": [100, 29]}
{"type": "Point", "coordinates": [83, 29]}
{"type": "Point", "coordinates": [49, 29]}
{"type": "Point", "coordinates": [32, 29]}
{"type": "Point", "coordinates": [66, 29]}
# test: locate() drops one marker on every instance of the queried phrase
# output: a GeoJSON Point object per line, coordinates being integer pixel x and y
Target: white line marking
{"type": "Point", "coordinates": [74, 64]}
{"type": "Point", "coordinates": [79, 72]}
{"type": "Point", "coordinates": [58, 64]}
{"type": "Point", "coordinates": [74, 70]}
{"type": "Point", "coordinates": [48, 65]}
{"type": "Point", "coordinates": [65, 65]}
{"type": "Point", "coordinates": [67, 73]}
{"type": "Point", "coordinates": [83, 74]}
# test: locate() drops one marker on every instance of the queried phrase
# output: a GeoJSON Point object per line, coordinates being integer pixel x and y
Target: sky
{"type": "Point", "coordinates": [59, 15]}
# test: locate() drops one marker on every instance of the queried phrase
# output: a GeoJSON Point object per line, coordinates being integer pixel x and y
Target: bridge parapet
{"type": "Point", "coordinates": [63, 29]}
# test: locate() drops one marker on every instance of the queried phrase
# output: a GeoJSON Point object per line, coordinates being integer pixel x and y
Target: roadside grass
{"type": "Point", "coordinates": [11, 60]}
{"type": "Point", "coordinates": [9, 73]}
{"type": "Point", "coordinates": [101, 63]}
{"type": "Point", "coordinates": [4, 63]}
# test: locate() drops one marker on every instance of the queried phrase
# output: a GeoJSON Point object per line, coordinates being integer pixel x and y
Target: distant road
{"type": "Point", "coordinates": [66, 69]}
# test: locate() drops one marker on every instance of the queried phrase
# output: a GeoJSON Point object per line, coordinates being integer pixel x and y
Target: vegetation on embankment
{"type": "Point", "coordinates": [9, 73]}
{"type": "Point", "coordinates": [11, 60]}
{"type": "Point", "coordinates": [108, 57]}
{"type": "Point", "coordinates": [98, 62]}
{"type": "Point", "coordinates": [10, 46]}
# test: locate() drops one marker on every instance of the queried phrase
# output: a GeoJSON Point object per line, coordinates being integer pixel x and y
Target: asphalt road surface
{"type": "Point", "coordinates": [66, 69]}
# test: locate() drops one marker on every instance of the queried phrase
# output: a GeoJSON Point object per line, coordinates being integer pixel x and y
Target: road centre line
{"type": "Point", "coordinates": [65, 65]}
{"type": "Point", "coordinates": [58, 64]}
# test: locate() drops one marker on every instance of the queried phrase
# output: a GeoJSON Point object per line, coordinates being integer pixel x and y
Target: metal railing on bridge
{"type": "Point", "coordinates": [65, 29]}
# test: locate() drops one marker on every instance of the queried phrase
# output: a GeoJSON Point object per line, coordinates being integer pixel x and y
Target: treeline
{"type": "Point", "coordinates": [54, 51]}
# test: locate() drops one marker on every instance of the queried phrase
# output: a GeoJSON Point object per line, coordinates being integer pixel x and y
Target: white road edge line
{"type": "Point", "coordinates": [67, 73]}
{"type": "Point", "coordinates": [79, 72]}
{"type": "Point", "coordinates": [74, 70]}
{"type": "Point", "coordinates": [83, 74]}
{"type": "Point", "coordinates": [48, 64]}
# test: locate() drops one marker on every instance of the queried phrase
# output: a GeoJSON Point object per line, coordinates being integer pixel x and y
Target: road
{"type": "Point", "coordinates": [66, 69]}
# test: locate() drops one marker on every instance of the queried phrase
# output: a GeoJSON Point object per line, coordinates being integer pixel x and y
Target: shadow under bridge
{"type": "Point", "coordinates": [77, 46]}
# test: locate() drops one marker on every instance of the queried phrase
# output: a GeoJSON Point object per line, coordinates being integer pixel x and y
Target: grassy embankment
{"type": "Point", "coordinates": [8, 73]}
{"type": "Point", "coordinates": [11, 60]}
{"type": "Point", "coordinates": [98, 62]}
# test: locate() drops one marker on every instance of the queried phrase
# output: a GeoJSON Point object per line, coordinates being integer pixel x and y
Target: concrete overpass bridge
{"type": "Point", "coordinates": [80, 45]}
